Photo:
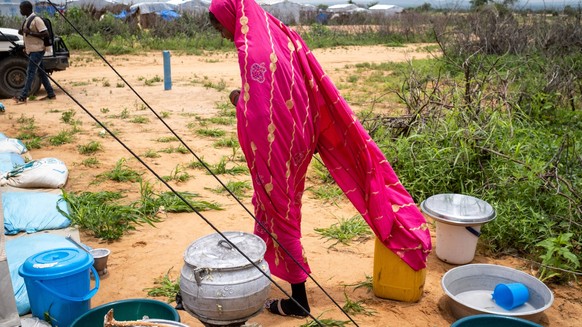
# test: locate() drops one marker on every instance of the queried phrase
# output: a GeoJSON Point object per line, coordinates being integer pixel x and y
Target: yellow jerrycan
{"type": "Point", "coordinates": [393, 278]}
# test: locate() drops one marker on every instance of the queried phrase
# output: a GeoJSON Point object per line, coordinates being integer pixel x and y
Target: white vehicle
{"type": "Point", "coordinates": [13, 62]}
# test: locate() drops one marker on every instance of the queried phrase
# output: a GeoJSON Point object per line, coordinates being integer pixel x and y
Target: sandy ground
{"type": "Point", "coordinates": [150, 252]}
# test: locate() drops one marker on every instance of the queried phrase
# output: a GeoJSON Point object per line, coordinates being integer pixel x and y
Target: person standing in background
{"type": "Point", "coordinates": [34, 32]}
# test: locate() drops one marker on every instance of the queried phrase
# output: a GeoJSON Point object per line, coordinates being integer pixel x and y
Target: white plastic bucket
{"type": "Point", "coordinates": [458, 225]}
{"type": "Point", "coordinates": [455, 244]}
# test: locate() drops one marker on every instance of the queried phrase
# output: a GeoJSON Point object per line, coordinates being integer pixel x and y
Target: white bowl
{"type": "Point", "coordinates": [469, 290]}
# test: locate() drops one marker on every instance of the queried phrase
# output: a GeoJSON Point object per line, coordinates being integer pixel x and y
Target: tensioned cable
{"type": "Point", "coordinates": [171, 189]}
{"type": "Point", "coordinates": [204, 165]}
{"type": "Point", "coordinates": [207, 168]}
{"type": "Point", "coordinates": [177, 194]}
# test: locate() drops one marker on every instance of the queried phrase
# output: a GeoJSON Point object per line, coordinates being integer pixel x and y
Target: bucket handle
{"type": "Point", "coordinates": [74, 298]}
{"type": "Point", "coordinates": [473, 231]}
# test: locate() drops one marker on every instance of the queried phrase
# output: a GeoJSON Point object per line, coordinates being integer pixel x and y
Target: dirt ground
{"type": "Point", "coordinates": [150, 252]}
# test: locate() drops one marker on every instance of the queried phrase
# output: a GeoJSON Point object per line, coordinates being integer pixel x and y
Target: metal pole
{"type": "Point", "coordinates": [167, 71]}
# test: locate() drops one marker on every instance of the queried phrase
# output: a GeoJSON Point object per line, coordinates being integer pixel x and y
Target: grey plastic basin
{"type": "Point", "coordinates": [469, 290]}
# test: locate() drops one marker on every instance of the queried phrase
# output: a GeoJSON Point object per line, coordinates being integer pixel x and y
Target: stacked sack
{"type": "Point", "coordinates": [30, 202]}
{"type": "Point", "coordinates": [42, 173]}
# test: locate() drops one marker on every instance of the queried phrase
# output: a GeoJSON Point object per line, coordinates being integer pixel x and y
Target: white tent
{"type": "Point", "coordinates": [97, 4]}
{"type": "Point", "coordinates": [46, 2]}
{"type": "Point", "coordinates": [10, 9]}
{"type": "Point", "coordinates": [286, 11]}
{"type": "Point", "coordinates": [198, 6]}
{"type": "Point", "coordinates": [344, 8]}
{"type": "Point", "coordinates": [143, 8]}
{"type": "Point", "coordinates": [147, 13]}
{"type": "Point", "coordinates": [386, 9]}
{"type": "Point", "coordinates": [133, 2]}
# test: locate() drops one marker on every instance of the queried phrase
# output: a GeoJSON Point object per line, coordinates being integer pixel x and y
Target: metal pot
{"type": "Point", "coordinates": [218, 285]}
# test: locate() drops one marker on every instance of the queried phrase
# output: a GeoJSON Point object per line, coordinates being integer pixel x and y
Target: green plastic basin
{"type": "Point", "coordinates": [488, 320]}
{"type": "Point", "coordinates": [130, 309]}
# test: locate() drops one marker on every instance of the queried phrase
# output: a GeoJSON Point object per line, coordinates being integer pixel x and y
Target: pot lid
{"type": "Point", "coordinates": [458, 209]}
{"type": "Point", "coordinates": [56, 263]}
{"type": "Point", "coordinates": [214, 252]}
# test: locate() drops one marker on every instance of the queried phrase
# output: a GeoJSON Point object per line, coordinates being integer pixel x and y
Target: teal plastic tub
{"type": "Point", "coordinates": [130, 309]}
{"type": "Point", "coordinates": [487, 320]}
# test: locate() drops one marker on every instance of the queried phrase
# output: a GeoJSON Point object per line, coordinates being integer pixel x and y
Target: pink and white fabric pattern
{"type": "Point", "coordinates": [290, 108]}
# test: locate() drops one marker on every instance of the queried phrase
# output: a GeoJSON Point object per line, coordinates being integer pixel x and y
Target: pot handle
{"type": "Point", "coordinates": [198, 274]}
{"type": "Point", "coordinates": [225, 244]}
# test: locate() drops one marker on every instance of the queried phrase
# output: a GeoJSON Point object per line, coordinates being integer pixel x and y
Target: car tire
{"type": "Point", "coordinates": [13, 77]}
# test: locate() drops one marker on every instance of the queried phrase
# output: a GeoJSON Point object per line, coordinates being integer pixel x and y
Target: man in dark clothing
{"type": "Point", "coordinates": [34, 31]}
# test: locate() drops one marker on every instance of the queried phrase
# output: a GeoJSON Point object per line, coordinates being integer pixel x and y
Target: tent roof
{"type": "Point", "coordinates": [386, 7]}
{"type": "Point", "coordinates": [349, 6]}
{"type": "Point", "coordinates": [189, 2]}
{"type": "Point", "coordinates": [97, 4]}
{"type": "Point", "coordinates": [150, 7]}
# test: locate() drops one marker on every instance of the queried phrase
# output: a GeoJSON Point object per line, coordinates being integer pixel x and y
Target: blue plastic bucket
{"type": "Point", "coordinates": [58, 284]}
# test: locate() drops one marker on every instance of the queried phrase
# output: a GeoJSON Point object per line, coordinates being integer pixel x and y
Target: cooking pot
{"type": "Point", "coordinates": [218, 285]}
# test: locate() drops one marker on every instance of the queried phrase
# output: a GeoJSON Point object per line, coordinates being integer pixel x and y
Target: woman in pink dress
{"type": "Point", "coordinates": [288, 109]}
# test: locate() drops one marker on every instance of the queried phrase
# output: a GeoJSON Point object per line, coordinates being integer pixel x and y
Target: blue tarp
{"type": "Point", "coordinates": [21, 216]}
{"type": "Point", "coordinates": [122, 15]}
{"type": "Point", "coordinates": [168, 15]}
{"type": "Point", "coordinates": [20, 249]}
{"type": "Point", "coordinates": [9, 161]}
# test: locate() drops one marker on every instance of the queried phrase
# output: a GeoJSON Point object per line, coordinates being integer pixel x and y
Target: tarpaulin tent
{"type": "Point", "coordinates": [386, 9]}
{"type": "Point", "coordinates": [193, 6]}
{"type": "Point", "coordinates": [9, 8]}
{"type": "Point", "coordinates": [150, 7]}
{"type": "Point", "coordinates": [286, 11]}
{"type": "Point", "coordinates": [147, 12]}
{"type": "Point", "coordinates": [96, 4]}
{"type": "Point", "coordinates": [345, 8]}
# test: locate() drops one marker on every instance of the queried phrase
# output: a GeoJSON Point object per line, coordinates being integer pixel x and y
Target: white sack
{"type": "Point", "coordinates": [12, 145]}
{"type": "Point", "coordinates": [42, 173]}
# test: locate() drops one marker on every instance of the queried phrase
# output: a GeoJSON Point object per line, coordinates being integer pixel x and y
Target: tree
{"type": "Point", "coordinates": [478, 3]}
{"type": "Point", "coordinates": [424, 7]}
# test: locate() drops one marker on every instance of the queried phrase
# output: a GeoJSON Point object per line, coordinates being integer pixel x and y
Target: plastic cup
{"type": "Point", "coordinates": [510, 296]}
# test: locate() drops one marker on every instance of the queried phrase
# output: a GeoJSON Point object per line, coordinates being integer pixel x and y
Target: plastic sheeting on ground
{"type": "Point", "coordinates": [33, 211]}
{"type": "Point", "coordinates": [9, 161]}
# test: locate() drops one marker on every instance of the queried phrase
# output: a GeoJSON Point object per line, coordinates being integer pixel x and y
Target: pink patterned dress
{"type": "Point", "coordinates": [287, 109]}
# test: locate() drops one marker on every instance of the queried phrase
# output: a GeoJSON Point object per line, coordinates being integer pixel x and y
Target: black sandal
{"type": "Point", "coordinates": [19, 100]}
{"type": "Point", "coordinates": [274, 307]}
